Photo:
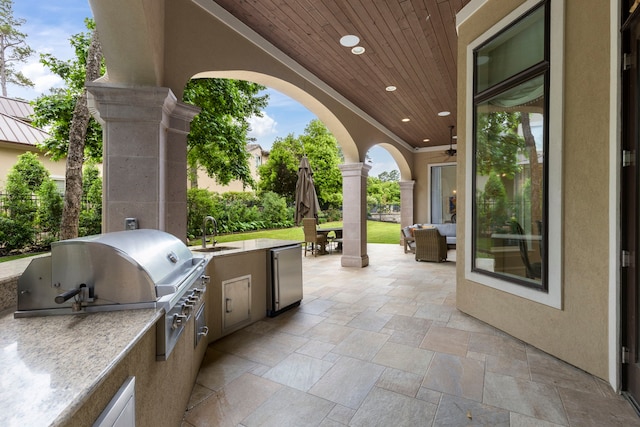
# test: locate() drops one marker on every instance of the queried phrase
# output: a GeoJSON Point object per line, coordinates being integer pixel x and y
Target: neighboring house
{"type": "Point", "coordinates": [257, 157]}
{"type": "Point", "coordinates": [17, 136]}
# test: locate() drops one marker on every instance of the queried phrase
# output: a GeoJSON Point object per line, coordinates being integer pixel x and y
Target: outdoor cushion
{"type": "Point", "coordinates": [447, 230]}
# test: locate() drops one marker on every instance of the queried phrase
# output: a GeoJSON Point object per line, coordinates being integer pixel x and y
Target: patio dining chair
{"type": "Point", "coordinates": [317, 241]}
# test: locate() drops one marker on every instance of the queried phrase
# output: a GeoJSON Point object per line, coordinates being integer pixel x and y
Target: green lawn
{"type": "Point", "coordinates": [377, 232]}
{"type": "Point", "coordinates": [12, 257]}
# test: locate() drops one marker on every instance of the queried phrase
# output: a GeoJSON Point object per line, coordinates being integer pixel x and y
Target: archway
{"type": "Point", "coordinates": [330, 120]}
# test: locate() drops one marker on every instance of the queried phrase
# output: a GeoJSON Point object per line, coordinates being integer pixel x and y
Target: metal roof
{"type": "Point", "coordinates": [19, 132]}
{"type": "Point", "coordinates": [16, 108]}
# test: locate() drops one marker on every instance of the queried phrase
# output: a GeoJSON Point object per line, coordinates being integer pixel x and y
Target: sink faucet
{"type": "Point", "coordinates": [204, 230]}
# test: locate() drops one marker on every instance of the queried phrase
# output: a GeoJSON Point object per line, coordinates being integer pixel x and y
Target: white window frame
{"type": "Point", "coordinates": [553, 296]}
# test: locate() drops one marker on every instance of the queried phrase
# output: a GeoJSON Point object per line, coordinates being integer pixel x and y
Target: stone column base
{"type": "Point", "coordinates": [354, 261]}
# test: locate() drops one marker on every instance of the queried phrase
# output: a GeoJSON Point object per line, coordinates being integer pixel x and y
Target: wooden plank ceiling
{"type": "Point", "coordinates": [409, 44]}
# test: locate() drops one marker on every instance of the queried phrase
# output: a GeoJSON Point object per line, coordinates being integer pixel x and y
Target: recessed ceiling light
{"type": "Point", "coordinates": [390, 88]}
{"type": "Point", "coordinates": [444, 113]}
{"type": "Point", "coordinates": [358, 50]}
{"type": "Point", "coordinates": [426, 140]}
{"type": "Point", "coordinates": [349, 40]}
{"type": "Point", "coordinates": [406, 119]}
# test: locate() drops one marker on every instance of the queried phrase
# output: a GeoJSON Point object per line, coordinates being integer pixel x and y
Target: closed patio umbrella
{"type": "Point", "coordinates": [307, 205]}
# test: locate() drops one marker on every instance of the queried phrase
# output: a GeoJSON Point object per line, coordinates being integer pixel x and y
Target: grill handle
{"type": "Point", "coordinates": [67, 295]}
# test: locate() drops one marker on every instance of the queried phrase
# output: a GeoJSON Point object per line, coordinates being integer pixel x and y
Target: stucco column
{"type": "Point", "coordinates": [144, 156]}
{"type": "Point", "coordinates": [406, 205]}
{"type": "Point", "coordinates": [354, 214]}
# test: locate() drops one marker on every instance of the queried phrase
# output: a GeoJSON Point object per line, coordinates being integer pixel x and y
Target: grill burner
{"type": "Point", "coordinates": [117, 271]}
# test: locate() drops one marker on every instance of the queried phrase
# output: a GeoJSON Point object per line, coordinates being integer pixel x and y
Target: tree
{"type": "Point", "coordinates": [498, 144]}
{"type": "Point", "coordinates": [389, 176]}
{"type": "Point", "coordinates": [324, 157]}
{"type": "Point", "coordinates": [280, 172]}
{"type": "Point", "coordinates": [218, 137]}
{"type": "Point", "coordinates": [75, 134]}
{"type": "Point", "coordinates": [23, 181]}
{"type": "Point", "coordinates": [90, 221]}
{"type": "Point", "coordinates": [49, 213]}
{"type": "Point", "coordinates": [13, 48]}
{"type": "Point", "coordinates": [382, 192]}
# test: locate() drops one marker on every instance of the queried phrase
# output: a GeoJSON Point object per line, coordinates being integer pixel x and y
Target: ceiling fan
{"type": "Point", "coordinates": [451, 151]}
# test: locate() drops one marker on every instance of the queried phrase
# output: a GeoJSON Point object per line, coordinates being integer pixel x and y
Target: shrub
{"type": "Point", "coordinates": [200, 203]}
{"type": "Point", "coordinates": [90, 221]}
{"type": "Point", "coordinates": [49, 213]}
{"type": "Point", "coordinates": [274, 209]}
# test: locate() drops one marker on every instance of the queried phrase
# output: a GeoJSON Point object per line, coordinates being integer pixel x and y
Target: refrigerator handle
{"type": "Point", "coordinates": [276, 282]}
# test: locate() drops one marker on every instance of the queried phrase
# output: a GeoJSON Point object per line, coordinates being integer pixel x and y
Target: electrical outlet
{"type": "Point", "coordinates": [130, 223]}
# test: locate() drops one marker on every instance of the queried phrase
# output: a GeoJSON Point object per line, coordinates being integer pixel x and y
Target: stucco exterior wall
{"type": "Point", "coordinates": [204, 181]}
{"type": "Point", "coordinates": [577, 333]}
{"type": "Point", "coordinates": [9, 156]}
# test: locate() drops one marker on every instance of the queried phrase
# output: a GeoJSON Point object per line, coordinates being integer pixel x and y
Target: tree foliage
{"type": "Point", "coordinates": [280, 173]}
{"type": "Point", "coordinates": [383, 190]}
{"type": "Point", "coordinates": [29, 171]}
{"type": "Point", "coordinates": [389, 176]}
{"type": "Point", "coordinates": [498, 144]}
{"type": "Point", "coordinates": [324, 157]}
{"type": "Point", "coordinates": [24, 181]}
{"type": "Point", "coordinates": [49, 212]}
{"type": "Point", "coordinates": [90, 221]}
{"type": "Point", "coordinates": [236, 211]}
{"type": "Point", "coordinates": [54, 111]}
{"type": "Point", "coordinates": [218, 137]}
{"type": "Point", "coordinates": [13, 48]}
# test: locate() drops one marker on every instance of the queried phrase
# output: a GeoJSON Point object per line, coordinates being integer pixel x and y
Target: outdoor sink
{"type": "Point", "coordinates": [215, 249]}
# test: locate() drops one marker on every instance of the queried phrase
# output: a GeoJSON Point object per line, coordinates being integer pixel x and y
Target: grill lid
{"type": "Point", "coordinates": [111, 271]}
{"type": "Point", "coordinates": [131, 266]}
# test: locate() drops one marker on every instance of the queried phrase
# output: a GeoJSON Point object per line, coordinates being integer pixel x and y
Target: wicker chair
{"type": "Point", "coordinates": [318, 241]}
{"type": "Point", "coordinates": [430, 245]}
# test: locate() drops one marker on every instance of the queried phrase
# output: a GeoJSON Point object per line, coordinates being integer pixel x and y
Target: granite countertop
{"type": "Point", "coordinates": [50, 365]}
{"type": "Point", "coordinates": [240, 246]}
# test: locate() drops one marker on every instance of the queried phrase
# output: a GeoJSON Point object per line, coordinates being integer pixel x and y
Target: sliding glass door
{"type": "Point", "coordinates": [443, 193]}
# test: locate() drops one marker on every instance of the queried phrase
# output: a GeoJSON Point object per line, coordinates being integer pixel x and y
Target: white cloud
{"type": "Point", "coordinates": [262, 127]}
{"type": "Point", "coordinates": [42, 78]}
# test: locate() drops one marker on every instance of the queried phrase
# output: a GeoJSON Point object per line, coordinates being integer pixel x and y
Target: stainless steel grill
{"type": "Point", "coordinates": [117, 271]}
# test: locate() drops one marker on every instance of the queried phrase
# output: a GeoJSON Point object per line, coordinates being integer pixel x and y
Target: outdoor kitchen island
{"type": "Point", "coordinates": [64, 370]}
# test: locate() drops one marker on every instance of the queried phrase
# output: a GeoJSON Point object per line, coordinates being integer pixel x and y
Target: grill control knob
{"type": "Point", "coordinates": [178, 321]}
{"type": "Point", "coordinates": [205, 279]}
{"type": "Point", "coordinates": [187, 307]}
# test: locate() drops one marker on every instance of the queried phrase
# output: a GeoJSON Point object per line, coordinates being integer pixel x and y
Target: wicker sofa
{"type": "Point", "coordinates": [447, 230]}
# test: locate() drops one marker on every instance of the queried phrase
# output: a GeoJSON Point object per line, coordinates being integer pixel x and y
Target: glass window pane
{"type": "Point", "coordinates": [513, 51]}
{"type": "Point", "coordinates": [443, 194]}
{"type": "Point", "coordinates": [509, 183]}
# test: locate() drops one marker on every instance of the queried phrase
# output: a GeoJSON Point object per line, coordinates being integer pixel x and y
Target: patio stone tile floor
{"type": "Point", "coordinates": [385, 346]}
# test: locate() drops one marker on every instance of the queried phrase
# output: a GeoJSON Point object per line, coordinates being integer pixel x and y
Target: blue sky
{"type": "Point", "coordinates": [49, 25]}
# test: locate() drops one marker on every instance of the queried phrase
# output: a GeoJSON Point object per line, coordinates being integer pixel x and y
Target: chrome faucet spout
{"type": "Point", "coordinates": [204, 230]}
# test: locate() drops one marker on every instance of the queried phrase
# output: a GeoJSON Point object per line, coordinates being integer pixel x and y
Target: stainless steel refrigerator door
{"type": "Point", "coordinates": [287, 276]}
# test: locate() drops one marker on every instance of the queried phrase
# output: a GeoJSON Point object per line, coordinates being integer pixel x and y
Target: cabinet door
{"type": "Point", "coordinates": [236, 301]}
